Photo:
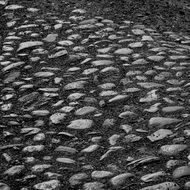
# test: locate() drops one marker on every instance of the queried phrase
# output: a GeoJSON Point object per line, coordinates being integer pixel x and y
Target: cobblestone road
{"type": "Point", "coordinates": [87, 103]}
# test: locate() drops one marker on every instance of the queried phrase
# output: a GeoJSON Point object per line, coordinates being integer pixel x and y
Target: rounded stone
{"type": "Point", "coordinates": [172, 150]}
{"type": "Point", "coordinates": [80, 124]}
{"type": "Point", "coordinates": [181, 172]}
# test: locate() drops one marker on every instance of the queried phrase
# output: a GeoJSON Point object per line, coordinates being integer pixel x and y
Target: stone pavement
{"type": "Point", "coordinates": [87, 103]}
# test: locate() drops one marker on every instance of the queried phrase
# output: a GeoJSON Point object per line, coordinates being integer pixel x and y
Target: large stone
{"type": "Point", "coordinates": [101, 174]}
{"type": "Point", "coordinates": [13, 66]}
{"type": "Point", "coordinates": [75, 96]}
{"type": "Point", "coordinates": [163, 186]}
{"type": "Point", "coordinates": [40, 167]}
{"type": "Point", "coordinates": [119, 99]}
{"type": "Point", "coordinates": [149, 85]}
{"type": "Point", "coordinates": [80, 124]}
{"type": "Point", "coordinates": [120, 179]}
{"type": "Point", "coordinates": [85, 110]}
{"type": "Point", "coordinates": [181, 172]}
{"type": "Point", "coordinates": [172, 109]}
{"type": "Point", "coordinates": [159, 135]}
{"type": "Point", "coordinates": [65, 160]}
{"type": "Point", "coordinates": [14, 170]}
{"type": "Point", "coordinates": [147, 38]}
{"type": "Point", "coordinates": [136, 45]}
{"type": "Point", "coordinates": [75, 85]}
{"type": "Point", "coordinates": [93, 186]}
{"type": "Point", "coordinates": [156, 58]}
{"type": "Point", "coordinates": [173, 149]}
{"type": "Point", "coordinates": [44, 74]}
{"type": "Point", "coordinates": [40, 112]}
{"type": "Point", "coordinates": [150, 96]}
{"type": "Point", "coordinates": [29, 44]}
{"type": "Point", "coordinates": [153, 176]}
{"type": "Point", "coordinates": [139, 62]}
{"type": "Point", "coordinates": [57, 118]}
{"type": "Point", "coordinates": [29, 97]}
{"type": "Point", "coordinates": [102, 62]}
{"type": "Point", "coordinates": [33, 148]}
{"type": "Point", "coordinates": [90, 148]}
{"type": "Point", "coordinates": [12, 7]}
{"type": "Point", "coordinates": [66, 149]}
{"type": "Point", "coordinates": [58, 54]}
{"type": "Point", "coordinates": [138, 32]}
{"type": "Point", "coordinates": [48, 185]}
{"type": "Point", "coordinates": [77, 179]}
{"type": "Point", "coordinates": [12, 76]}
{"type": "Point", "coordinates": [162, 121]}
{"type": "Point", "coordinates": [124, 51]}
{"type": "Point", "coordinates": [50, 37]}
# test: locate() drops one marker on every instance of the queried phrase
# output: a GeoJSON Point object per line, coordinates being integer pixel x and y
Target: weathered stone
{"type": "Point", "coordinates": [77, 179]}
{"type": "Point", "coordinates": [29, 97]}
{"type": "Point", "coordinates": [44, 74]}
{"type": "Point", "coordinates": [40, 168]}
{"type": "Point", "coordinates": [66, 149]}
{"type": "Point", "coordinates": [172, 109]}
{"type": "Point", "coordinates": [13, 7]}
{"type": "Point", "coordinates": [173, 163]}
{"type": "Point", "coordinates": [160, 134]}
{"type": "Point", "coordinates": [93, 186]}
{"type": "Point", "coordinates": [14, 170]}
{"type": "Point", "coordinates": [40, 112]}
{"type": "Point", "coordinates": [120, 179]}
{"type": "Point", "coordinates": [101, 174]}
{"type": "Point", "coordinates": [48, 185]}
{"type": "Point", "coordinates": [57, 118]}
{"type": "Point", "coordinates": [80, 124]}
{"type": "Point", "coordinates": [181, 172]}
{"type": "Point", "coordinates": [85, 110]}
{"type": "Point", "coordinates": [50, 37]}
{"type": "Point", "coordinates": [75, 85]}
{"type": "Point", "coordinates": [29, 44]}
{"type": "Point", "coordinates": [65, 160]}
{"type": "Point", "coordinates": [90, 149]}
{"type": "Point", "coordinates": [136, 45]}
{"type": "Point", "coordinates": [156, 58]}
{"type": "Point", "coordinates": [149, 85]}
{"type": "Point", "coordinates": [13, 66]}
{"type": "Point", "coordinates": [34, 148]}
{"type": "Point", "coordinates": [102, 62]}
{"type": "Point", "coordinates": [58, 54]}
{"type": "Point", "coordinates": [173, 149]}
{"type": "Point", "coordinates": [162, 121]}
{"type": "Point", "coordinates": [153, 176]}
{"type": "Point", "coordinates": [163, 186]}
{"type": "Point", "coordinates": [124, 51]}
